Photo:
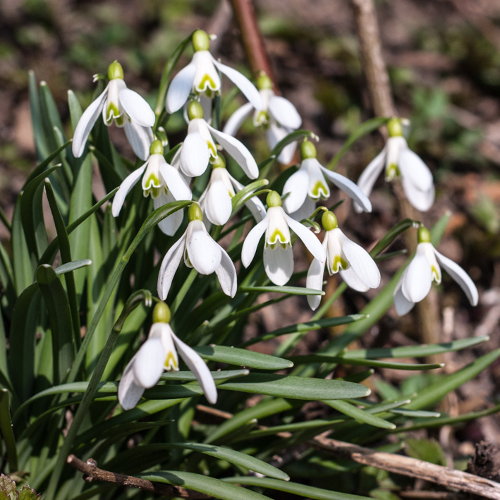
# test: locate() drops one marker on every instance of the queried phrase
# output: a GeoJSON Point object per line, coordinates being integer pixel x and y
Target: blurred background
{"type": "Point", "coordinates": [444, 62]}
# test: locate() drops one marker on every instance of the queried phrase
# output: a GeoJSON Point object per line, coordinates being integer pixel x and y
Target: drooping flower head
{"type": "Point", "coordinates": [354, 263]}
{"type": "Point", "coordinates": [159, 353]}
{"type": "Point", "coordinates": [277, 116]}
{"type": "Point", "coordinates": [161, 181]}
{"type": "Point", "coordinates": [216, 200]}
{"type": "Point", "coordinates": [201, 77]}
{"type": "Point", "coordinates": [278, 254]}
{"type": "Point", "coordinates": [200, 146]}
{"type": "Point", "coordinates": [309, 185]}
{"type": "Point", "coordinates": [400, 162]}
{"type": "Point", "coordinates": [200, 252]}
{"type": "Point", "coordinates": [120, 106]}
{"type": "Point", "coordinates": [424, 269]}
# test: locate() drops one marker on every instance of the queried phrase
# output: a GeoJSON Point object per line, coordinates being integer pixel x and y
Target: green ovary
{"type": "Point", "coordinates": [319, 190]}
{"type": "Point", "coordinates": [338, 264]}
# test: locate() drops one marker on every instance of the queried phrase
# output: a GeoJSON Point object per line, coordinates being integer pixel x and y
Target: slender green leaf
{"type": "Point", "coordinates": [297, 387]}
{"type": "Point", "coordinates": [303, 490]}
{"type": "Point", "coordinates": [242, 357]}
{"type": "Point", "coordinates": [293, 290]}
{"type": "Point", "coordinates": [292, 137]}
{"type": "Point", "coordinates": [7, 431]}
{"type": "Point", "coordinates": [235, 457]}
{"type": "Point", "coordinates": [215, 488]}
{"type": "Point", "coordinates": [241, 197]}
{"type": "Point", "coordinates": [72, 266]}
{"type": "Point", "coordinates": [360, 415]}
{"type": "Point", "coordinates": [391, 235]}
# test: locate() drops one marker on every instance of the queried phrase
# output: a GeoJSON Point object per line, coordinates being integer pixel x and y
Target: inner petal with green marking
{"type": "Point", "coordinates": [391, 172]}
{"type": "Point", "coordinates": [261, 118]}
{"type": "Point", "coordinates": [339, 263]}
{"type": "Point", "coordinates": [113, 113]}
{"type": "Point", "coordinates": [319, 190]}
{"type": "Point", "coordinates": [171, 362]}
{"type": "Point", "coordinates": [436, 274]}
{"type": "Point", "coordinates": [212, 148]}
{"type": "Point", "coordinates": [206, 83]}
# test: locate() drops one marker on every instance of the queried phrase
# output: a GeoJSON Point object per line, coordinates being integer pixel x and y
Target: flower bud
{"type": "Point", "coordinates": [395, 128]}
{"type": "Point", "coordinates": [329, 221]}
{"type": "Point", "coordinates": [263, 81]}
{"type": "Point", "coordinates": [156, 148]}
{"type": "Point", "coordinates": [423, 235]}
{"type": "Point", "coordinates": [273, 199]}
{"type": "Point", "coordinates": [307, 150]}
{"type": "Point", "coordinates": [200, 40]}
{"type": "Point", "coordinates": [195, 212]}
{"type": "Point", "coordinates": [115, 71]}
{"type": "Point", "coordinates": [194, 110]}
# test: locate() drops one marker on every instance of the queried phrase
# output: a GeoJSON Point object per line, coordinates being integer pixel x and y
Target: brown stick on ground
{"type": "Point", "coordinates": [94, 473]}
{"type": "Point", "coordinates": [252, 39]}
{"type": "Point", "coordinates": [449, 478]}
{"type": "Point", "coordinates": [383, 105]}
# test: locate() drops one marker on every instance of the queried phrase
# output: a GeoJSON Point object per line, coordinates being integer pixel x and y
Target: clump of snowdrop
{"type": "Point", "coordinates": [200, 252]}
{"type": "Point", "coordinates": [278, 254]}
{"type": "Point", "coordinates": [309, 185]}
{"type": "Point", "coordinates": [200, 145]}
{"type": "Point", "coordinates": [159, 353]}
{"type": "Point", "coordinates": [276, 115]}
{"type": "Point", "coordinates": [354, 263]}
{"type": "Point", "coordinates": [201, 77]}
{"type": "Point", "coordinates": [216, 200]}
{"type": "Point", "coordinates": [161, 181]}
{"type": "Point", "coordinates": [401, 162]}
{"type": "Point", "coordinates": [424, 269]}
{"type": "Point", "coordinates": [121, 106]}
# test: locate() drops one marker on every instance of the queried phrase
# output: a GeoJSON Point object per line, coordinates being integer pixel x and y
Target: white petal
{"type": "Point", "coordinates": [296, 188]}
{"type": "Point", "coordinates": [284, 112]}
{"type": "Point", "coordinates": [361, 263]}
{"type": "Point", "coordinates": [402, 304]}
{"type": "Point", "coordinates": [180, 88]}
{"type": "Point", "coordinates": [226, 273]}
{"type": "Point", "coordinates": [421, 200]}
{"type": "Point", "coordinates": [309, 239]}
{"type": "Point", "coordinates": [305, 211]}
{"type": "Point", "coordinates": [413, 168]}
{"type": "Point", "coordinates": [237, 118]}
{"type": "Point", "coordinates": [172, 222]}
{"type": "Point", "coordinates": [274, 134]}
{"type": "Point", "coordinates": [203, 252]}
{"type": "Point", "coordinates": [278, 263]}
{"type": "Point", "coordinates": [125, 187]}
{"type": "Point", "coordinates": [206, 77]}
{"type": "Point", "coordinates": [350, 188]}
{"type": "Point", "coordinates": [238, 151]}
{"type": "Point", "coordinates": [252, 241]}
{"type": "Point", "coordinates": [137, 108]}
{"type": "Point", "coordinates": [217, 203]}
{"type": "Point", "coordinates": [129, 393]}
{"type": "Point", "coordinates": [175, 182]}
{"type": "Point", "coordinates": [369, 176]}
{"type": "Point", "coordinates": [417, 278]}
{"type": "Point", "coordinates": [318, 187]}
{"type": "Point", "coordinates": [353, 280]}
{"type": "Point", "coordinates": [288, 152]}
{"type": "Point", "coordinates": [169, 265]}
{"type": "Point", "coordinates": [85, 124]}
{"type": "Point", "coordinates": [149, 361]}
{"type": "Point", "coordinates": [139, 138]}
{"type": "Point", "coordinates": [243, 83]}
{"type": "Point", "coordinates": [199, 368]}
{"type": "Point", "coordinates": [194, 155]}
{"type": "Point", "coordinates": [315, 281]}
{"type": "Point", "coordinates": [460, 276]}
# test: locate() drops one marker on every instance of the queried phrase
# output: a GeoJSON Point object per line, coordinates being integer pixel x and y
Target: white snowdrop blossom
{"type": "Point", "coordinates": [308, 185]}
{"type": "Point", "coordinates": [159, 353]}
{"type": "Point", "coordinates": [425, 268]}
{"type": "Point", "coordinates": [400, 161]}
{"type": "Point", "coordinates": [160, 180]}
{"type": "Point", "coordinates": [200, 146]}
{"type": "Point", "coordinates": [201, 77]}
{"type": "Point", "coordinates": [278, 254]}
{"type": "Point", "coordinates": [121, 106]}
{"type": "Point", "coordinates": [354, 263]}
{"type": "Point", "coordinates": [277, 116]}
{"type": "Point", "coordinates": [200, 252]}
{"type": "Point", "coordinates": [216, 202]}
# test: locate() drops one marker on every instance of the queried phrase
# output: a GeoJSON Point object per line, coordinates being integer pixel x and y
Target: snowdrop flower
{"type": "Point", "coordinates": [308, 185]}
{"type": "Point", "coordinates": [278, 254]}
{"type": "Point", "coordinates": [423, 269]}
{"type": "Point", "coordinates": [200, 146]}
{"type": "Point", "coordinates": [277, 115]}
{"type": "Point", "coordinates": [201, 77]}
{"type": "Point", "coordinates": [159, 353]}
{"type": "Point", "coordinates": [200, 252]}
{"type": "Point", "coordinates": [400, 161]}
{"type": "Point", "coordinates": [160, 180]}
{"type": "Point", "coordinates": [121, 106]}
{"type": "Point", "coordinates": [354, 263]}
{"type": "Point", "coordinates": [216, 199]}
